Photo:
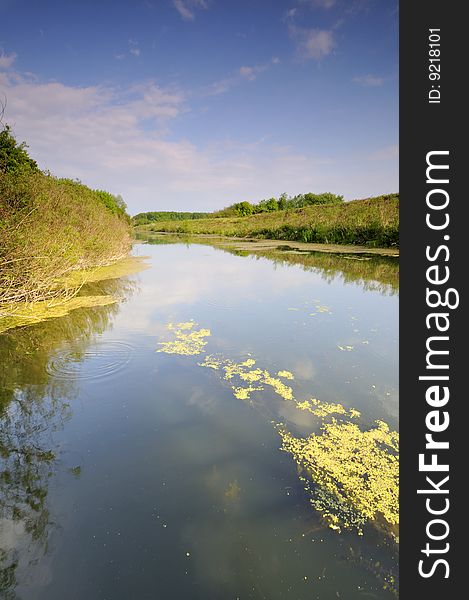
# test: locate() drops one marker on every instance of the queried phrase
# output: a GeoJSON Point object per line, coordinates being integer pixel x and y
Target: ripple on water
{"type": "Point", "coordinates": [103, 359]}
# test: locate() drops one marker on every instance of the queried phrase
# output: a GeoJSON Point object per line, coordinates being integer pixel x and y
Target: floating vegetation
{"type": "Point", "coordinates": [285, 374]}
{"type": "Point", "coordinates": [278, 386]}
{"type": "Point", "coordinates": [242, 373]}
{"type": "Point", "coordinates": [244, 393]}
{"type": "Point", "coordinates": [20, 314]}
{"type": "Point", "coordinates": [321, 308]}
{"type": "Point", "coordinates": [125, 266]}
{"type": "Point", "coordinates": [29, 313]}
{"type": "Point", "coordinates": [324, 409]}
{"type": "Point", "coordinates": [345, 348]}
{"type": "Point", "coordinates": [188, 342]}
{"type": "Point", "coordinates": [352, 475]}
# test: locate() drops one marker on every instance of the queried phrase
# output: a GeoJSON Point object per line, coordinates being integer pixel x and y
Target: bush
{"type": "Point", "coordinates": [13, 156]}
{"type": "Point", "coordinates": [49, 227]}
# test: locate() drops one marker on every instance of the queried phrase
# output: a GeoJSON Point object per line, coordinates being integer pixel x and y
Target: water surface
{"type": "Point", "coordinates": [132, 473]}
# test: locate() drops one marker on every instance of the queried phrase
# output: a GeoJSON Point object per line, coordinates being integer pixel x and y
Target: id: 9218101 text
{"type": "Point", "coordinates": [434, 66]}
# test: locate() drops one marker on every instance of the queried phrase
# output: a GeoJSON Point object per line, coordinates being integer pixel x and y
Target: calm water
{"type": "Point", "coordinates": [130, 473]}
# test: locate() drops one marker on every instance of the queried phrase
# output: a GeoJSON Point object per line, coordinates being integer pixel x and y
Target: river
{"type": "Point", "coordinates": [149, 448]}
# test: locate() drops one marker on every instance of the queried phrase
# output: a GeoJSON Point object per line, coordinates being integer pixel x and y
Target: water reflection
{"type": "Point", "coordinates": [32, 406]}
{"type": "Point", "coordinates": [156, 479]}
{"type": "Point", "coordinates": [373, 272]}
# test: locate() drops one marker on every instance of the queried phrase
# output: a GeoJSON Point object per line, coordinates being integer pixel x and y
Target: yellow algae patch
{"type": "Point", "coordinates": [285, 374]}
{"type": "Point", "coordinates": [187, 342]}
{"type": "Point", "coordinates": [182, 326]}
{"type": "Point", "coordinates": [345, 348]}
{"type": "Point", "coordinates": [321, 308]}
{"type": "Point", "coordinates": [125, 266]}
{"type": "Point", "coordinates": [278, 386]}
{"type": "Point", "coordinates": [251, 376]}
{"type": "Point", "coordinates": [250, 362]}
{"type": "Point", "coordinates": [352, 475]}
{"type": "Point", "coordinates": [25, 313]}
{"type": "Point", "coordinates": [243, 373]}
{"type": "Point", "coordinates": [321, 409]}
{"type": "Point", "coordinates": [211, 362]}
{"type": "Point", "coordinates": [244, 393]}
{"type": "Point", "coordinates": [324, 409]}
{"type": "Point", "coordinates": [19, 314]}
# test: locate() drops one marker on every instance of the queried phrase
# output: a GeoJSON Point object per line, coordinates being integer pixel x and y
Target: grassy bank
{"type": "Point", "coordinates": [372, 222]}
{"type": "Point", "coordinates": [50, 227]}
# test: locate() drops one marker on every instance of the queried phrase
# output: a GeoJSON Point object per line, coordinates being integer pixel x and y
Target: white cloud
{"type": "Point", "coordinates": [135, 51]}
{"type": "Point", "coordinates": [246, 72]}
{"type": "Point", "coordinates": [120, 139]}
{"type": "Point", "coordinates": [313, 44]}
{"type": "Point", "coordinates": [369, 80]}
{"type": "Point", "coordinates": [6, 60]}
{"type": "Point", "coordinates": [186, 8]}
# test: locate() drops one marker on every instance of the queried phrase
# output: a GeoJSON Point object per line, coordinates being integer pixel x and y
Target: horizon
{"type": "Point", "coordinates": [190, 105]}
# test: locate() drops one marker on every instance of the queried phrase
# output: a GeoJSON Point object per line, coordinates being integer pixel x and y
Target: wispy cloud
{"type": "Point", "coordinates": [187, 8]}
{"type": "Point", "coordinates": [120, 139]}
{"type": "Point", "coordinates": [368, 80]}
{"type": "Point", "coordinates": [312, 44]}
{"type": "Point", "coordinates": [244, 73]}
{"type": "Point", "coordinates": [6, 60]}
{"type": "Point", "coordinates": [326, 4]}
{"type": "Point", "coordinates": [134, 49]}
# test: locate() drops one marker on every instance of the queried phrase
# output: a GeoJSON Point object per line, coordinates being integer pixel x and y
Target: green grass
{"type": "Point", "coordinates": [372, 222]}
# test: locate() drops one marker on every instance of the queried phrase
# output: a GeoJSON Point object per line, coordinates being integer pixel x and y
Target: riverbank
{"type": "Point", "coordinates": [371, 223]}
{"type": "Point", "coordinates": [51, 227]}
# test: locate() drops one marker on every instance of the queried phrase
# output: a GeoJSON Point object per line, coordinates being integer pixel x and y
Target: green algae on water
{"type": "Point", "coordinates": [20, 314]}
{"type": "Point", "coordinates": [125, 266]}
{"type": "Point", "coordinates": [351, 475]}
{"type": "Point", "coordinates": [31, 313]}
{"type": "Point", "coordinates": [188, 342]}
{"type": "Point", "coordinates": [242, 377]}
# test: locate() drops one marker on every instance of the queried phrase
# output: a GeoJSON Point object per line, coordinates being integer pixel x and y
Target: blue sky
{"type": "Point", "coordinates": [196, 104]}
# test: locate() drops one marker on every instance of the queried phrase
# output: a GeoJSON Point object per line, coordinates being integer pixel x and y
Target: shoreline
{"type": "Point", "coordinates": [286, 246]}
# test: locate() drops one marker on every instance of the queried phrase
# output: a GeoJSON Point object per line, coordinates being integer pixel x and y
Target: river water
{"type": "Point", "coordinates": [138, 461]}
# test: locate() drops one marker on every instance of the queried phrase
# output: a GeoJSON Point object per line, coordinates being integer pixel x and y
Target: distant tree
{"type": "Point", "coordinates": [269, 205]}
{"type": "Point", "coordinates": [310, 199]}
{"type": "Point", "coordinates": [282, 202]}
{"type": "Point", "coordinates": [13, 156]}
{"type": "Point", "coordinates": [244, 208]}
